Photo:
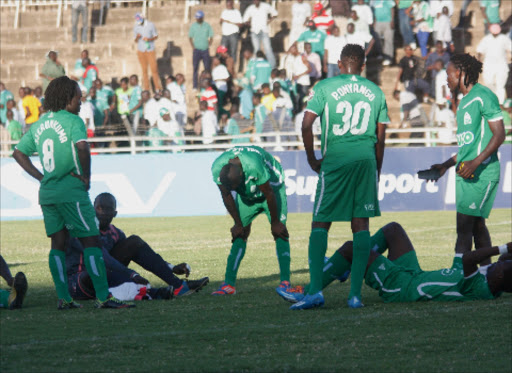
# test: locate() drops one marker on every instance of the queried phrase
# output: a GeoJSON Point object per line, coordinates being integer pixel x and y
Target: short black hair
{"type": "Point", "coordinates": [440, 60]}
{"type": "Point", "coordinates": [105, 195]}
{"type": "Point", "coordinates": [260, 54]}
{"type": "Point", "coordinates": [257, 95]}
{"type": "Point", "coordinates": [59, 94]}
{"type": "Point", "coordinates": [265, 85]}
{"type": "Point", "coordinates": [353, 54]}
{"type": "Point", "coordinates": [464, 62]}
{"type": "Point", "coordinates": [224, 175]}
{"type": "Point", "coordinates": [125, 80]}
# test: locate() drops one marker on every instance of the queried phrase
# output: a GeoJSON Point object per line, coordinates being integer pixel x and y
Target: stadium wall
{"type": "Point", "coordinates": [181, 185]}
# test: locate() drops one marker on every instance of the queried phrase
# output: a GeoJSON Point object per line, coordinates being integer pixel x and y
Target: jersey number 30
{"type": "Point", "coordinates": [352, 118]}
{"type": "Point", "coordinates": [48, 159]}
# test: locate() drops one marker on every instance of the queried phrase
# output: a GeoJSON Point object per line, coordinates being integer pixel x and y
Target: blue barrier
{"type": "Point", "coordinates": [181, 184]}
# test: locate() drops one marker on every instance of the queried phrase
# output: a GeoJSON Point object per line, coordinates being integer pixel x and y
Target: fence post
{"type": "Point", "coordinates": [17, 15]}
{"type": "Point", "coordinates": [59, 15]}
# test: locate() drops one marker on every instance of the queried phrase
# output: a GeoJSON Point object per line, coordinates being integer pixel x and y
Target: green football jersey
{"type": "Point", "coordinates": [258, 166]}
{"type": "Point", "coordinates": [479, 107]}
{"type": "Point", "coordinates": [54, 137]}
{"type": "Point", "coordinates": [350, 107]}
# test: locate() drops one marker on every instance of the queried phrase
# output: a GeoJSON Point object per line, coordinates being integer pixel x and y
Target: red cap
{"type": "Point", "coordinates": [318, 6]}
{"type": "Point", "coordinates": [222, 49]}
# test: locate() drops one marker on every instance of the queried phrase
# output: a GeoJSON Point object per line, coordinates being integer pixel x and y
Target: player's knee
{"type": "Point", "coordinates": [136, 240]}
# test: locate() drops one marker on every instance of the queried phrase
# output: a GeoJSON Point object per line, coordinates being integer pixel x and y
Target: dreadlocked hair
{"type": "Point", "coordinates": [353, 53]}
{"type": "Point", "coordinates": [59, 93]}
{"type": "Point", "coordinates": [469, 65]}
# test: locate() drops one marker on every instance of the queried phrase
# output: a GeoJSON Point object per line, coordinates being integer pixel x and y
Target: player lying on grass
{"type": "Point", "coordinates": [118, 252]}
{"type": "Point", "coordinates": [399, 278]}
{"type": "Point", "coordinates": [258, 180]}
{"type": "Point", "coordinates": [14, 298]}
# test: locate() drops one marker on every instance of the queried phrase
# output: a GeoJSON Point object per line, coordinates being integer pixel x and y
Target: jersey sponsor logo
{"type": "Point", "coordinates": [465, 138]}
{"type": "Point", "coordinates": [472, 206]}
{"type": "Point", "coordinates": [467, 118]}
{"type": "Point", "coordinates": [449, 271]}
{"type": "Point", "coordinates": [283, 217]}
{"type": "Point", "coordinates": [69, 227]}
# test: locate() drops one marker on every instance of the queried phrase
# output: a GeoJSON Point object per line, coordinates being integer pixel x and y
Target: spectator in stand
{"type": "Point", "coordinates": [100, 115]}
{"type": "Point", "coordinates": [79, 7]}
{"type": "Point", "coordinates": [209, 95]}
{"type": "Point", "coordinates": [226, 60]}
{"type": "Point", "coordinates": [422, 24]}
{"type": "Point", "coordinates": [322, 19]}
{"type": "Point", "coordinates": [31, 108]}
{"type": "Point", "coordinates": [259, 115]}
{"type": "Point", "coordinates": [38, 93]}
{"type": "Point", "coordinates": [231, 21]}
{"type": "Point", "coordinates": [444, 28]}
{"type": "Point", "coordinates": [445, 120]}
{"type": "Point", "coordinates": [363, 39]}
{"type": "Point", "coordinates": [301, 12]}
{"type": "Point", "coordinates": [233, 127]}
{"type": "Point", "coordinates": [156, 136]}
{"type": "Point", "coordinates": [410, 72]}
{"type": "Point", "coordinates": [267, 98]}
{"type": "Point", "coordinates": [250, 60]}
{"type": "Point", "coordinates": [410, 110]}
{"type": "Point", "coordinates": [200, 36]}
{"type": "Point", "coordinates": [208, 121]}
{"type": "Point", "coordinates": [151, 107]}
{"type": "Point", "coordinates": [135, 104]}
{"type": "Point", "coordinates": [495, 48]}
{"type": "Point", "coordinates": [79, 69]}
{"type": "Point", "coordinates": [177, 88]}
{"type": "Point", "coordinates": [245, 94]}
{"type": "Point", "coordinates": [384, 27]}
{"type": "Point", "coordinates": [436, 10]}
{"type": "Point", "coordinates": [13, 127]}
{"type": "Point", "coordinates": [333, 46]}
{"type": "Point", "coordinates": [21, 110]}
{"type": "Point", "coordinates": [315, 62]}
{"type": "Point", "coordinates": [221, 77]}
{"type": "Point", "coordinates": [279, 118]}
{"type": "Point", "coordinates": [364, 12]}
{"type": "Point", "coordinates": [258, 16]}
{"type": "Point", "coordinates": [491, 13]}
{"type": "Point", "coordinates": [145, 35]}
{"type": "Point", "coordinates": [315, 37]}
{"type": "Point", "coordinates": [261, 70]}
{"type": "Point", "coordinates": [90, 74]}
{"type": "Point", "coordinates": [5, 95]}
{"type": "Point", "coordinates": [11, 105]}
{"type": "Point", "coordinates": [361, 26]}
{"type": "Point", "coordinates": [103, 93]}
{"type": "Point", "coordinates": [404, 10]}
{"type": "Point", "coordinates": [87, 114]}
{"type": "Point", "coordinates": [167, 123]}
{"type": "Point", "coordinates": [123, 94]}
{"type": "Point", "coordinates": [439, 53]}
{"type": "Point", "coordinates": [51, 69]}
{"type": "Point", "coordinates": [442, 91]}
{"type": "Point", "coordinates": [300, 70]}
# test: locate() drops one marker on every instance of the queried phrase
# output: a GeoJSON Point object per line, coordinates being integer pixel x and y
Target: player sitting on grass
{"type": "Point", "coordinates": [258, 180]}
{"type": "Point", "coordinates": [14, 298]}
{"type": "Point", "coordinates": [118, 252]}
{"type": "Point", "coordinates": [399, 278]}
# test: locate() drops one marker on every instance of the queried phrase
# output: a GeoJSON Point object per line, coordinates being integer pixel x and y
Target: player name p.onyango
{"type": "Point", "coordinates": [353, 88]}
{"type": "Point", "coordinates": [54, 125]}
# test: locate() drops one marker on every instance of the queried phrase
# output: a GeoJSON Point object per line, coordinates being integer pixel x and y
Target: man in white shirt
{"type": "Point", "coordinates": [436, 10]}
{"type": "Point", "coordinates": [495, 48]}
{"type": "Point", "coordinates": [220, 76]}
{"type": "Point", "coordinates": [231, 20]}
{"type": "Point", "coordinates": [363, 39]}
{"type": "Point", "coordinates": [258, 15]}
{"type": "Point", "coordinates": [301, 12]}
{"type": "Point", "coordinates": [87, 112]}
{"type": "Point", "coordinates": [177, 90]}
{"type": "Point", "coordinates": [363, 11]}
{"type": "Point", "coordinates": [314, 61]}
{"type": "Point", "coordinates": [333, 46]}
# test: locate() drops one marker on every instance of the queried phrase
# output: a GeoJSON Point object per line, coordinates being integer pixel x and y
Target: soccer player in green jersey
{"type": "Point", "coordinates": [353, 115]}
{"type": "Point", "coordinates": [480, 132]}
{"type": "Point", "coordinates": [399, 277]}
{"type": "Point", "coordinates": [60, 139]}
{"type": "Point", "coordinates": [258, 180]}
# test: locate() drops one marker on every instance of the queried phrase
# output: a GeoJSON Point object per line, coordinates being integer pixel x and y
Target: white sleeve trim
{"type": "Point", "coordinates": [311, 111]}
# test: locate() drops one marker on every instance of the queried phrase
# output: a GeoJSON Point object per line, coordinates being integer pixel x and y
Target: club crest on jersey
{"type": "Point", "coordinates": [467, 118]}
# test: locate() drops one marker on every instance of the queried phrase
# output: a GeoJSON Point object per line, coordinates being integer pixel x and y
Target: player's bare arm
{"type": "Point", "coordinates": [443, 167]}
{"type": "Point", "coordinates": [84, 155]}
{"type": "Point", "coordinates": [380, 145]}
{"type": "Point", "coordinates": [278, 229]}
{"type": "Point", "coordinates": [307, 138]}
{"type": "Point", "coordinates": [237, 231]}
{"type": "Point", "coordinates": [498, 136]}
{"type": "Point", "coordinates": [5, 272]}
{"type": "Point", "coordinates": [25, 163]}
{"type": "Point", "coordinates": [472, 259]}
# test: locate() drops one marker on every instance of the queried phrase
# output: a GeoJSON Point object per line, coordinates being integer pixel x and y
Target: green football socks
{"type": "Point", "coordinates": [93, 259]}
{"type": "Point", "coordinates": [316, 253]}
{"type": "Point", "coordinates": [57, 261]}
{"type": "Point", "coordinates": [334, 268]}
{"type": "Point", "coordinates": [361, 253]}
{"type": "Point", "coordinates": [378, 242]}
{"type": "Point", "coordinates": [234, 259]}
{"type": "Point", "coordinates": [283, 257]}
{"type": "Point", "coordinates": [4, 298]}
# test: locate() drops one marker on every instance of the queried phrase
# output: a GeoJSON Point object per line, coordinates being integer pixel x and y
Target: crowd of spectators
{"type": "Point", "coordinates": [269, 90]}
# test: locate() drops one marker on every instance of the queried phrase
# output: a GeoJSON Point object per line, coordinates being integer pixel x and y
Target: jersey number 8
{"type": "Point", "coordinates": [352, 117]}
{"type": "Point", "coordinates": [48, 159]}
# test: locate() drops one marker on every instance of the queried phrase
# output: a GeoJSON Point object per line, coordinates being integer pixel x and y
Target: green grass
{"type": "Point", "coordinates": [253, 330]}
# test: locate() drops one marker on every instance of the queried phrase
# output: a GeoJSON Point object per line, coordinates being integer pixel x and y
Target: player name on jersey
{"type": "Point", "coordinates": [54, 125]}
{"type": "Point", "coordinates": [353, 88]}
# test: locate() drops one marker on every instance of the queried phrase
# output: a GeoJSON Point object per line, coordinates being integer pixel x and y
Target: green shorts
{"type": "Point", "coordinates": [347, 192]}
{"type": "Point", "coordinates": [249, 211]}
{"type": "Point", "coordinates": [79, 218]}
{"type": "Point", "coordinates": [475, 198]}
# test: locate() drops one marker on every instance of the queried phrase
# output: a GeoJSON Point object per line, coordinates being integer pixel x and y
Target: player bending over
{"type": "Point", "coordinates": [399, 278]}
{"type": "Point", "coordinates": [12, 299]}
{"type": "Point", "coordinates": [258, 180]}
{"type": "Point", "coordinates": [353, 115]}
{"type": "Point", "coordinates": [118, 252]}
{"type": "Point", "coordinates": [60, 139]}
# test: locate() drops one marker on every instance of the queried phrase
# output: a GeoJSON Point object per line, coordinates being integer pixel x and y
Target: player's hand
{"type": "Point", "coordinates": [279, 231]}
{"type": "Point", "coordinates": [182, 269]}
{"type": "Point", "coordinates": [138, 279]}
{"type": "Point", "coordinates": [84, 179]}
{"type": "Point", "coordinates": [442, 169]}
{"type": "Point", "coordinates": [315, 164]}
{"type": "Point", "coordinates": [237, 231]}
{"type": "Point", "coordinates": [468, 171]}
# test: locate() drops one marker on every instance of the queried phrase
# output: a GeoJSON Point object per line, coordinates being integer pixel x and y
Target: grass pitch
{"type": "Point", "coordinates": [253, 330]}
